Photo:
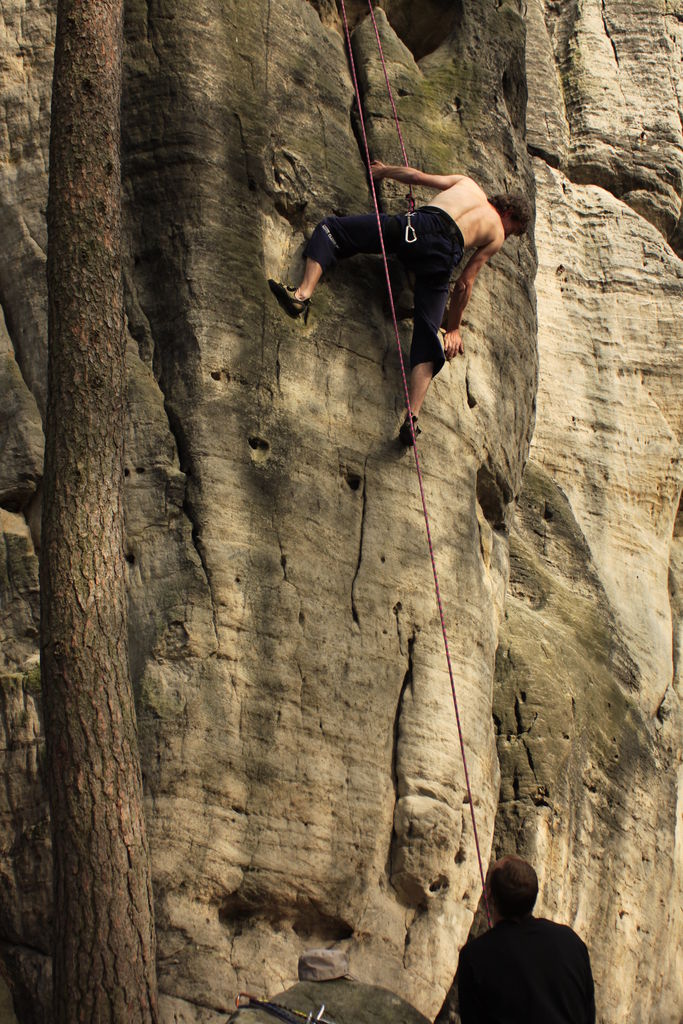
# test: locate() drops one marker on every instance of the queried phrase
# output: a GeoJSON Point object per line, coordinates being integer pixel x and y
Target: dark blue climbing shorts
{"type": "Point", "coordinates": [438, 249]}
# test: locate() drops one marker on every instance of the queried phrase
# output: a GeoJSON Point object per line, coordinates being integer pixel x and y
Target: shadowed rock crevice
{"type": "Point", "coordinates": [425, 27]}
{"type": "Point", "coordinates": [354, 486]}
{"type": "Point", "coordinates": [22, 359]}
{"type": "Point", "coordinates": [515, 96]}
{"type": "Point", "coordinates": [26, 892]}
{"type": "Point", "coordinates": [327, 11]}
{"type": "Point", "coordinates": [292, 187]}
{"type": "Point", "coordinates": [406, 685]}
{"type": "Point", "coordinates": [30, 972]}
{"type": "Point", "coordinates": [494, 495]}
{"type": "Point", "coordinates": [24, 310]}
{"type": "Point", "coordinates": [608, 33]}
{"type": "Point", "coordinates": [189, 503]}
{"type": "Point", "coordinates": [308, 920]}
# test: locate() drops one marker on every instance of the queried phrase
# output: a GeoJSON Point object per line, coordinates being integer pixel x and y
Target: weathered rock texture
{"type": "Point", "coordinates": [588, 703]}
{"type": "Point", "coordinates": [299, 751]}
{"type": "Point", "coordinates": [606, 99]}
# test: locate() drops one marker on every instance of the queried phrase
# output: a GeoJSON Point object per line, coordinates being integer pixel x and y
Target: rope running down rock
{"type": "Point", "coordinates": [410, 415]}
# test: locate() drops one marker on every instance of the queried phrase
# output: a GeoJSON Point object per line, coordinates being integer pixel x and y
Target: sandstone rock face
{"type": "Point", "coordinates": [26, 44]}
{"type": "Point", "coordinates": [606, 99]}
{"type": "Point", "coordinates": [300, 757]}
{"type": "Point", "coordinates": [307, 695]}
{"type": "Point", "coordinates": [587, 705]}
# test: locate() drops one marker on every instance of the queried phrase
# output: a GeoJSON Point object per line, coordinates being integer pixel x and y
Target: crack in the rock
{"type": "Point", "coordinates": [283, 556]}
{"type": "Point", "coordinates": [354, 610]}
{"type": "Point", "coordinates": [405, 685]}
{"type": "Point", "coordinates": [607, 31]}
{"type": "Point", "coordinates": [357, 131]}
{"type": "Point", "coordinates": [151, 35]}
{"type": "Point", "coordinates": [515, 783]}
{"type": "Point", "coordinates": [251, 182]}
{"type": "Point", "coordinates": [185, 462]}
{"type": "Point", "coordinates": [518, 717]}
{"type": "Point", "coordinates": [540, 796]}
{"type": "Point", "coordinates": [189, 511]}
{"type": "Point", "coordinates": [397, 611]}
{"type": "Point", "coordinates": [16, 352]}
{"type": "Point", "coordinates": [143, 335]}
{"type": "Point", "coordinates": [419, 912]}
{"type": "Point", "coordinates": [356, 126]}
{"type": "Point", "coordinates": [278, 365]}
{"type": "Point", "coordinates": [29, 597]}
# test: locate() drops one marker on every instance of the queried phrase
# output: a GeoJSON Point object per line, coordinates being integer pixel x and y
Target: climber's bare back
{"type": "Point", "coordinates": [469, 207]}
{"type": "Point", "coordinates": [480, 223]}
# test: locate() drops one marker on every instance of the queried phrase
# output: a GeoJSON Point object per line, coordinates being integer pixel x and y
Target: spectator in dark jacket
{"type": "Point", "coordinates": [524, 970]}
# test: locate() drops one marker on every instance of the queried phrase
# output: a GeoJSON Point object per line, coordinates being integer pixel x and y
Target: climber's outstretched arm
{"type": "Point", "coordinates": [462, 291]}
{"type": "Point", "coordinates": [411, 176]}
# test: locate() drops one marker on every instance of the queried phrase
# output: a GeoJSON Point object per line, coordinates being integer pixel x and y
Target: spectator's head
{"type": "Point", "coordinates": [512, 887]}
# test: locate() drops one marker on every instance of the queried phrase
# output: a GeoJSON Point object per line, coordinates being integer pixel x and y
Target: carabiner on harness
{"type": "Point", "coordinates": [411, 233]}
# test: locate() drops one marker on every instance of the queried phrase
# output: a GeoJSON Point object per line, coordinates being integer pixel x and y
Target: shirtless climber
{"type": "Point", "coordinates": [459, 217]}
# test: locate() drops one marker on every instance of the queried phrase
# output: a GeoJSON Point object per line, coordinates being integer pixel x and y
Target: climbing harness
{"type": "Point", "coordinates": [285, 1013]}
{"type": "Point", "coordinates": [407, 400]}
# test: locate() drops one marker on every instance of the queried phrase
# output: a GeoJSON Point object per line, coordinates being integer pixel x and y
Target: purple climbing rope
{"type": "Point", "coordinates": [410, 197]}
{"type": "Point", "coordinates": [410, 414]}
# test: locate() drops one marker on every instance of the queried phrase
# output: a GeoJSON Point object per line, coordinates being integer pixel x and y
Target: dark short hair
{"type": "Point", "coordinates": [513, 885]}
{"type": "Point", "coordinates": [514, 203]}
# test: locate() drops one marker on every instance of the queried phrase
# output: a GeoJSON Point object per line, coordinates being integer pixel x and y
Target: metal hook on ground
{"type": "Point", "coordinates": [318, 1017]}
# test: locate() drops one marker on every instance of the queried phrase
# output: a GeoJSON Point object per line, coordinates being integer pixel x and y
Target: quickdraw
{"type": "Point", "coordinates": [411, 234]}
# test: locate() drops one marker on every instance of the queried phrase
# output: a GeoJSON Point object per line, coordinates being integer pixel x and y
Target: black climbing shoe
{"type": "Point", "coordinates": [285, 296]}
{"type": "Point", "coordinates": [404, 435]}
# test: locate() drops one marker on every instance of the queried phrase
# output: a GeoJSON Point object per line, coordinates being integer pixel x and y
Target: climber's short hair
{"type": "Point", "coordinates": [513, 885]}
{"type": "Point", "coordinates": [517, 205]}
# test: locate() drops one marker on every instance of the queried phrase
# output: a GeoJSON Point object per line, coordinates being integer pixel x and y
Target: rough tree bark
{"type": "Point", "coordinates": [104, 945]}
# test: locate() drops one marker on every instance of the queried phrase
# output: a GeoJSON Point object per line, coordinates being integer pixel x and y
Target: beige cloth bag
{"type": "Point", "coordinates": [323, 965]}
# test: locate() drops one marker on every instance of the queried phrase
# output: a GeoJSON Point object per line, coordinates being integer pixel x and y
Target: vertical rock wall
{"type": "Point", "coordinates": [301, 764]}
{"type": "Point", "coordinates": [587, 704]}
{"type": "Point", "coordinates": [26, 44]}
{"type": "Point", "coordinates": [300, 742]}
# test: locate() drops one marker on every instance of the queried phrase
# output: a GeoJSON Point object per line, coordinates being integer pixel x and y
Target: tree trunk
{"type": "Point", "coordinates": [104, 945]}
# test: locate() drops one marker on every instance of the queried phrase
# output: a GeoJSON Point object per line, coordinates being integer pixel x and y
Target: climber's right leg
{"type": "Point", "coordinates": [334, 238]}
